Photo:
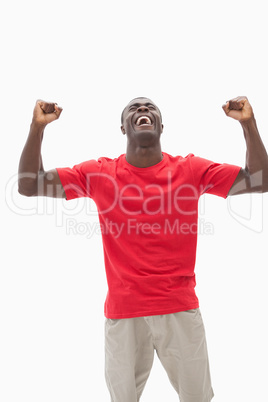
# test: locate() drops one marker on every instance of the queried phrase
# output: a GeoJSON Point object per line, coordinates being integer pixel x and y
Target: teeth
{"type": "Point", "coordinates": [143, 120]}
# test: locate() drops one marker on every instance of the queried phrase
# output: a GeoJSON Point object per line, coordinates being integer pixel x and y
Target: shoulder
{"type": "Point", "coordinates": [102, 163]}
{"type": "Point", "coordinates": [189, 163]}
{"type": "Point", "coordinates": [178, 159]}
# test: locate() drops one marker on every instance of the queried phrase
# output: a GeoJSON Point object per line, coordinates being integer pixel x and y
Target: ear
{"type": "Point", "coordinates": [162, 128]}
{"type": "Point", "coordinates": [123, 130]}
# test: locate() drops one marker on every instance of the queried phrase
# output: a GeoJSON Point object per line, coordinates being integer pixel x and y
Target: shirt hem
{"type": "Point", "coordinates": [232, 179]}
{"type": "Point", "coordinates": [151, 312]}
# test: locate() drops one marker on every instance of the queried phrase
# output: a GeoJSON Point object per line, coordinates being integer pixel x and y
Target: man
{"type": "Point", "coordinates": [147, 202]}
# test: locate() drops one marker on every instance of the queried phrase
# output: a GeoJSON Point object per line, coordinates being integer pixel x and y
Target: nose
{"type": "Point", "coordinates": [143, 108]}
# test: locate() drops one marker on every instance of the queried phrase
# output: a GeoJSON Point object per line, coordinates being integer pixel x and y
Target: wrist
{"type": "Point", "coordinates": [37, 127]}
{"type": "Point", "coordinates": [248, 122]}
{"type": "Point", "coordinates": [250, 128]}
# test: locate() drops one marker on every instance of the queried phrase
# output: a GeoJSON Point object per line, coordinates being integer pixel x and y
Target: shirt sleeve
{"type": "Point", "coordinates": [213, 178]}
{"type": "Point", "coordinates": [81, 180]}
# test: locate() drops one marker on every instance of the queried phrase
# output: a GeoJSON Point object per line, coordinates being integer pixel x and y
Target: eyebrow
{"type": "Point", "coordinates": [138, 104]}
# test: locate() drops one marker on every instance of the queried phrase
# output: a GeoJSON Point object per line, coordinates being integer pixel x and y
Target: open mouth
{"type": "Point", "coordinates": [143, 121]}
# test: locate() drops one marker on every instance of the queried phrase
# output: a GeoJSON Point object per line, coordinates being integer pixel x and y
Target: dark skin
{"type": "Point", "coordinates": [143, 141]}
{"type": "Point", "coordinates": [143, 146]}
{"type": "Point", "coordinates": [254, 177]}
{"type": "Point", "coordinates": [33, 179]}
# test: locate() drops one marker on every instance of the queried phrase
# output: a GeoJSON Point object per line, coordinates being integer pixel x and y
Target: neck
{"type": "Point", "coordinates": [144, 156]}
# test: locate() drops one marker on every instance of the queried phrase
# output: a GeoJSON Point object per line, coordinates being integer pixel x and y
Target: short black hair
{"type": "Point", "coordinates": [138, 97]}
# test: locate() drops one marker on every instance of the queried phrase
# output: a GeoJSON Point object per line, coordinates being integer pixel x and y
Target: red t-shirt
{"type": "Point", "coordinates": [149, 220]}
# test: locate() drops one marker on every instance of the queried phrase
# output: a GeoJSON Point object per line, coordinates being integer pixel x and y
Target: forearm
{"type": "Point", "coordinates": [31, 160]}
{"type": "Point", "coordinates": [256, 155]}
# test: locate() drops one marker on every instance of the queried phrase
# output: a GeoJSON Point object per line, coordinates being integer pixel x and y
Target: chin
{"type": "Point", "coordinates": [147, 136]}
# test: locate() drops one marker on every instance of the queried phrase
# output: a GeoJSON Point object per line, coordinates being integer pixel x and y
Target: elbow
{"type": "Point", "coordinates": [259, 181]}
{"type": "Point", "coordinates": [27, 184]}
{"type": "Point", "coordinates": [26, 192]}
{"type": "Point", "coordinates": [28, 189]}
{"type": "Point", "coordinates": [265, 187]}
{"type": "Point", "coordinates": [265, 181]}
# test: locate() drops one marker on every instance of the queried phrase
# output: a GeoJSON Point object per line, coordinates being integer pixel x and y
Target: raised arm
{"type": "Point", "coordinates": [33, 180]}
{"type": "Point", "coordinates": [254, 177]}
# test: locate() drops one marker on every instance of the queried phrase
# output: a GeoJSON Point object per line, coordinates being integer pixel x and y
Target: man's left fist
{"type": "Point", "coordinates": [238, 108]}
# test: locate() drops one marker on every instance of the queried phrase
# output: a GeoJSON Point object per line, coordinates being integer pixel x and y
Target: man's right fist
{"type": "Point", "coordinates": [45, 112]}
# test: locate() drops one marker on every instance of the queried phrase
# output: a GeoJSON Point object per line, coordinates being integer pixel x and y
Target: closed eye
{"type": "Point", "coordinates": [135, 105]}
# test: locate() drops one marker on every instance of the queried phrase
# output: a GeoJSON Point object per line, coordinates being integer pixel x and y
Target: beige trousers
{"type": "Point", "coordinates": [180, 343]}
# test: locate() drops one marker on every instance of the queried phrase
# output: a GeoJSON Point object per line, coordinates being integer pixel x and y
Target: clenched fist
{"type": "Point", "coordinates": [45, 112]}
{"type": "Point", "coordinates": [238, 108]}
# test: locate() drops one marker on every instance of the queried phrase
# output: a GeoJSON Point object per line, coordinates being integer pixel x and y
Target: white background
{"type": "Point", "coordinates": [92, 58]}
